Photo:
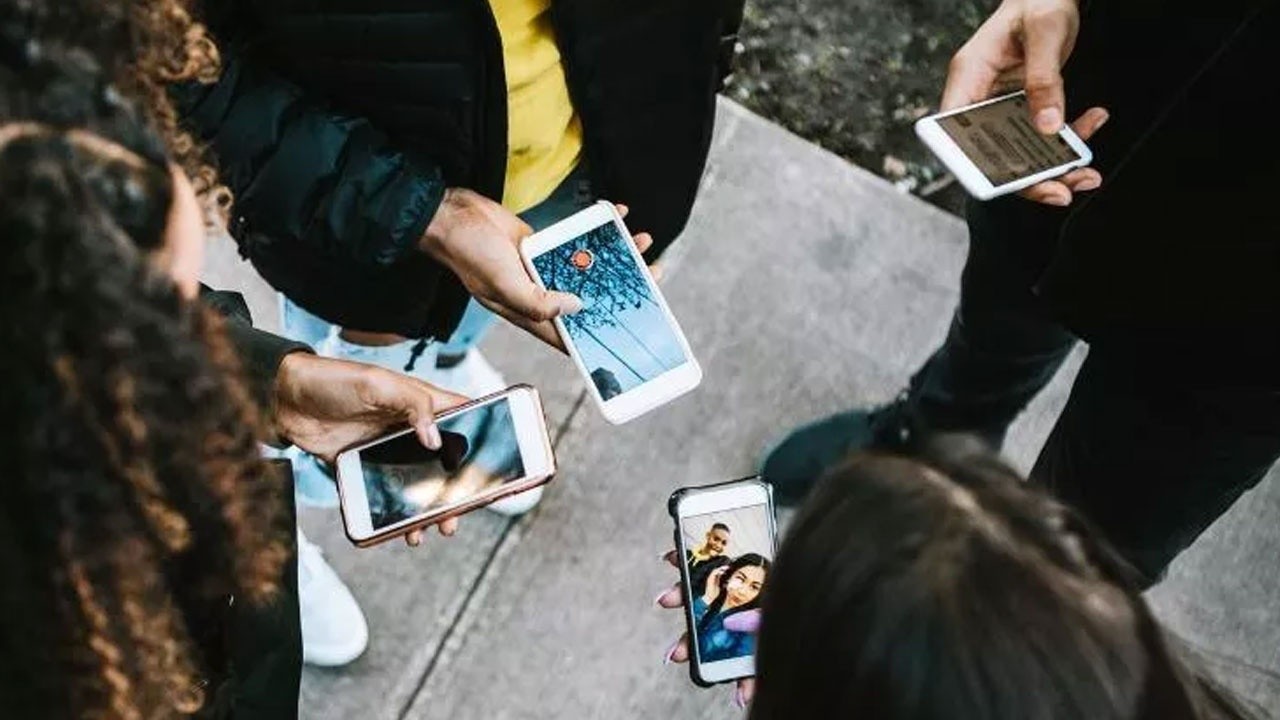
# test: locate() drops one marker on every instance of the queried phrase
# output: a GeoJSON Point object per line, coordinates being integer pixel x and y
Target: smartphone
{"type": "Point", "coordinates": [492, 447]}
{"type": "Point", "coordinates": [993, 149]}
{"type": "Point", "coordinates": [625, 342]}
{"type": "Point", "coordinates": [726, 539]}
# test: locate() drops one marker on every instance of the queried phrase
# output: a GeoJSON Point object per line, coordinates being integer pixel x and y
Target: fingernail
{"type": "Point", "coordinates": [434, 441]}
{"type": "Point", "coordinates": [1088, 184]}
{"type": "Point", "coordinates": [1048, 120]}
{"type": "Point", "coordinates": [658, 600]}
{"type": "Point", "coordinates": [739, 699]}
{"type": "Point", "coordinates": [1103, 120]}
{"type": "Point", "coordinates": [669, 657]}
{"type": "Point", "coordinates": [570, 304]}
{"type": "Point", "coordinates": [1058, 200]}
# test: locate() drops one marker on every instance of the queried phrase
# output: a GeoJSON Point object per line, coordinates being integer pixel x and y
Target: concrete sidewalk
{"type": "Point", "coordinates": [806, 286]}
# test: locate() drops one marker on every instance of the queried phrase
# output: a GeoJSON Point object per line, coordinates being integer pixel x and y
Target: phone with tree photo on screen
{"type": "Point", "coordinates": [726, 539]}
{"type": "Point", "coordinates": [491, 448]}
{"type": "Point", "coordinates": [993, 149]}
{"type": "Point", "coordinates": [625, 341]}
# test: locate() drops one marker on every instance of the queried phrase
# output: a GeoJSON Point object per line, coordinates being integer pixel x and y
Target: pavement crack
{"type": "Point", "coordinates": [459, 625]}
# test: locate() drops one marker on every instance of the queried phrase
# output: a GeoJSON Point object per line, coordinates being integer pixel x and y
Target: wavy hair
{"type": "Point", "coordinates": [134, 497]}
{"type": "Point", "coordinates": [145, 46]}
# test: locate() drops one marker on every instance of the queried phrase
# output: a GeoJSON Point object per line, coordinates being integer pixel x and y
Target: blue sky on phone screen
{"type": "Point", "coordinates": [621, 334]}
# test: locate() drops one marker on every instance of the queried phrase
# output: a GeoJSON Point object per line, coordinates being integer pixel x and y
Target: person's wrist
{"type": "Point", "coordinates": [442, 223]}
{"type": "Point", "coordinates": [287, 390]}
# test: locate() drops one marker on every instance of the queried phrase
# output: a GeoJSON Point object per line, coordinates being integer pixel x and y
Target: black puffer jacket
{"type": "Point", "coordinates": [339, 123]}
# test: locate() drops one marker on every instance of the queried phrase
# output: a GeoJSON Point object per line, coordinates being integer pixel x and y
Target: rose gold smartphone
{"type": "Point", "coordinates": [493, 447]}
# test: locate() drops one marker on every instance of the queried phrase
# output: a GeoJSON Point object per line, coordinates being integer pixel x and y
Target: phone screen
{"type": "Point", "coordinates": [403, 479]}
{"type": "Point", "coordinates": [622, 333]}
{"type": "Point", "coordinates": [1000, 139]}
{"type": "Point", "coordinates": [727, 558]}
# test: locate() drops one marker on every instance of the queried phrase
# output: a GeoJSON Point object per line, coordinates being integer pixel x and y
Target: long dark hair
{"type": "Point", "coordinates": [133, 493]}
{"type": "Point", "coordinates": [742, 561]}
{"type": "Point", "coordinates": [944, 587]}
{"type": "Point", "coordinates": [143, 47]}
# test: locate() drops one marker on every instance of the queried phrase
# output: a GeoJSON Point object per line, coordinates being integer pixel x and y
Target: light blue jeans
{"type": "Point", "coordinates": [570, 196]}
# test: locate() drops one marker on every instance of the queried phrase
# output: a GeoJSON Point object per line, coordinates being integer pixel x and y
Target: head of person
{"type": "Point", "coordinates": [717, 540]}
{"type": "Point", "coordinates": [52, 90]}
{"type": "Point", "coordinates": [143, 48]}
{"type": "Point", "coordinates": [945, 587]}
{"type": "Point", "coordinates": [739, 586]}
{"type": "Point", "coordinates": [133, 494]}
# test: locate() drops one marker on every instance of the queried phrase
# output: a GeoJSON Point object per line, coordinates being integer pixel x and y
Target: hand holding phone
{"type": "Point", "coordinates": [725, 539]}
{"type": "Point", "coordinates": [489, 448]}
{"type": "Point", "coordinates": [478, 239]}
{"type": "Point", "coordinates": [993, 149]}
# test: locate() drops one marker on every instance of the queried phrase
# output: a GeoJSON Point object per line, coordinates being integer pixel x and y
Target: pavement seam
{"type": "Point", "coordinates": [463, 614]}
{"type": "Point", "coordinates": [462, 619]}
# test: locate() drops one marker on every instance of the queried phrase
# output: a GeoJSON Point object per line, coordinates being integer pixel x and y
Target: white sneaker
{"type": "Point", "coordinates": [334, 631]}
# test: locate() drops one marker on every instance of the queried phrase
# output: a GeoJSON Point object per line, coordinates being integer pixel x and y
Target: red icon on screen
{"type": "Point", "coordinates": [582, 259]}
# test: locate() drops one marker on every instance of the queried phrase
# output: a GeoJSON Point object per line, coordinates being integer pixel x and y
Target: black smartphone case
{"type": "Point", "coordinates": [673, 504]}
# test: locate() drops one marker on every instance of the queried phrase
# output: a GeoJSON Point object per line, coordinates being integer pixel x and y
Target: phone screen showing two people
{"type": "Point", "coordinates": [727, 559]}
{"type": "Point", "coordinates": [1001, 141]}
{"type": "Point", "coordinates": [622, 334]}
{"type": "Point", "coordinates": [403, 479]}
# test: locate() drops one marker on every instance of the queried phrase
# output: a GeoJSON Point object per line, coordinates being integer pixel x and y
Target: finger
{"type": "Point", "coordinates": [746, 622]}
{"type": "Point", "coordinates": [622, 209]}
{"type": "Point", "coordinates": [970, 76]}
{"type": "Point", "coordinates": [1047, 40]}
{"type": "Point", "coordinates": [1090, 122]}
{"type": "Point", "coordinates": [1049, 192]}
{"type": "Point", "coordinates": [643, 241]}
{"type": "Point", "coordinates": [420, 402]}
{"type": "Point", "coordinates": [671, 598]}
{"type": "Point", "coordinates": [413, 538]}
{"type": "Point", "coordinates": [745, 691]}
{"type": "Point", "coordinates": [657, 270]}
{"type": "Point", "coordinates": [512, 288]}
{"type": "Point", "coordinates": [678, 652]}
{"type": "Point", "coordinates": [533, 303]}
{"type": "Point", "coordinates": [448, 527]}
{"type": "Point", "coordinates": [671, 557]}
{"type": "Point", "coordinates": [1082, 180]}
{"type": "Point", "coordinates": [428, 434]}
{"type": "Point", "coordinates": [544, 331]}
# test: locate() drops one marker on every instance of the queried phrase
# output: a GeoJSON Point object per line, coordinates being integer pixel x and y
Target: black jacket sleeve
{"type": "Point", "coordinates": [260, 352]}
{"type": "Point", "coordinates": [302, 171]}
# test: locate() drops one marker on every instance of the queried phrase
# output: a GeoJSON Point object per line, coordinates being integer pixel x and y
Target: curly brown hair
{"type": "Point", "coordinates": [134, 497]}
{"type": "Point", "coordinates": [145, 46]}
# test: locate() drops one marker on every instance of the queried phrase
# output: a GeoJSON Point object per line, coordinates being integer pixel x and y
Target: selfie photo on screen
{"type": "Point", "coordinates": [727, 554]}
{"type": "Point", "coordinates": [1001, 141]}
{"type": "Point", "coordinates": [480, 452]}
{"type": "Point", "coordinates": [622, 333]}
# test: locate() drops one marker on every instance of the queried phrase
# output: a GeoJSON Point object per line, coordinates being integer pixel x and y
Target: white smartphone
{"type": "Point", "coordinates": [625, 341]}
{"type": "Point", "coordinates": [726, 539]}
{"type": "Point", "coordinates": [993, 149]}
{"type": "Point", "coordinates": [492, 447]}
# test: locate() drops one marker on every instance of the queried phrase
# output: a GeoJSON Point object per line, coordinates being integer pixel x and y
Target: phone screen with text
{"type": "Point", "coordinates": [1001, 141]}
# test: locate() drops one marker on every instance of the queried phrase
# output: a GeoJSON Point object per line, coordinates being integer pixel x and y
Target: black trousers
{"type": "Point", "coordinates": [1152, 451]}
